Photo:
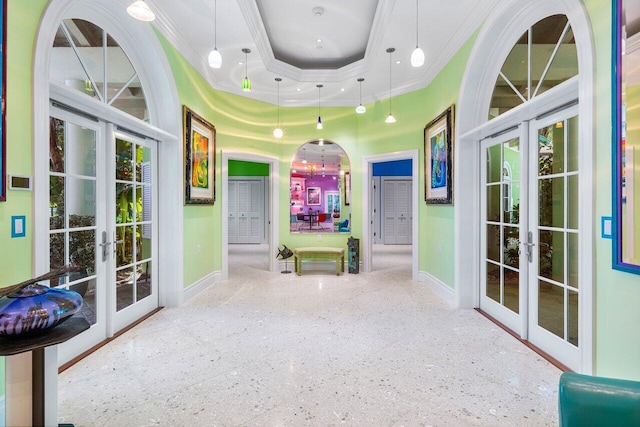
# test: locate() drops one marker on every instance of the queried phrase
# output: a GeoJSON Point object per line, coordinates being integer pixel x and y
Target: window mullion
{"type": "Point", "coordinates": [553, 55]}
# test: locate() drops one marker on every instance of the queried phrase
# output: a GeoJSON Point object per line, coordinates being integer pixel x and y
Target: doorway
{"type": "Point", "coordinates": [267, 247]}
{"type": "Point", "coordinates": [371, 209]}
{"type": "Point", "coordinates": [529, 250]}
{"type": "Point", "coordinates": [103, 219]}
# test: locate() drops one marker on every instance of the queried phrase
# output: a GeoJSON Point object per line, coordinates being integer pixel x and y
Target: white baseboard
{"type": "Point", "coordinates": [447, 293]}
{"type": "Point", "coordinates": [200, 285]}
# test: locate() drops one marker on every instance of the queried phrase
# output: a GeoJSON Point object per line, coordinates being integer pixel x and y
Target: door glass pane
{"type": "Point", "coordinates": [124, 245]}
{"type": "Point", "coordinates": [56, 147]}
{"type": "Point", "coordinates": [56, 203]}
{"type": "Point", "coordinates": [89, 308]}
{"type": "Point", "coordinates": [81, 151]}
{"type": "Point", "coordinates": [572, 144]}
{"type": "Point", "coordinates": [551, 255]}
{"type": "Point", "coordinates": [551, 149]}
{"type": "Point", "coordinates": [494, 164]}
{"type": "Point", "coordinates": [494, 203]}
{"type": "Point", "coordinates": [511, 197]}
{"type": "Point", "coordinates": [551, 202]}
{"type": "Point", "coordinates": [572, 318]}
{"type": "Point", "coordinates": [493, 242]}
{"type": "Point", "coordinates": [511, 247]}
{"type": "Point", "coordinates": [82, 249]}
{"type": "Point", "coordinates": [551, 308]}
{"type": "Point", "coordinates": [143, 280]}
{"type": "Point", "coordinates": [124, 160]}
{"type": "Point", "coordinates": [493, 281]}
{"type": "Point", "coordinates": [572, 202]}
{"type": "Point", "coordinates": [572, 260]}
{"type": "Point", "coordinates": [81, 202]}
{"type": "Point", "coordinates": [57, 251]}
{"type": "Point", "coordinates": [511, 289]}
{"type": "Point", "coordinates": [125, 292]}
{"type": "Point", "coordinates": [511, 159]}
{"type": "Point", "coordinates": [124, 203]}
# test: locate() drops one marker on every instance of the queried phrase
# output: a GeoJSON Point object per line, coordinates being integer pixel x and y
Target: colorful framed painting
{"type": "Point", "coordinates": [314, 195]}
{"type": "Point", "coordinates": [199, 159]}
{"type": "Point", "coordinates": [438, 152]}
{"type": "Point", "coordinates": [3, 101]}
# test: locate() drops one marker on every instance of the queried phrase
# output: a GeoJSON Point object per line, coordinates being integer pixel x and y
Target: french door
{"type": "Point", "coordinates": [102, 217]}
{"type": "Point", "coordinates": [530, 234]}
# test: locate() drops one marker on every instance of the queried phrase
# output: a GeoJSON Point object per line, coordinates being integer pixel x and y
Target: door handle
{"type": "Point", "coordinates": [105, 246]}
{"type": "Point", "coordinates": [528, 246]}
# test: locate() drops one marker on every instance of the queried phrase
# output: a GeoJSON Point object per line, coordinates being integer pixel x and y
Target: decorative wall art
{"type": "Point", "coordinates": [314, 194]}
{"type": "Point", "coordinates": [199, 159]}
{"type": "Point", "coordinates": [438, 150]}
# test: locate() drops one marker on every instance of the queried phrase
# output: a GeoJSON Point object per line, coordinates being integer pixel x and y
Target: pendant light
{"type": "Point", "coordinates": [361, 109]}
{"type": "Point", "coordinates": [277, 132]}
{"type": "Point", "coordinates": [215, 59]}
{"type": "Point", "coordinates": [390, 118]}
{"type": "Point", "coordinates": [141, 11]}
{"type": "Point", "coordinates": [417, 57]}
{"type": "Point", "coordinates": [319, 124]}
{"type": "Point", "coordinates": [246, 83]}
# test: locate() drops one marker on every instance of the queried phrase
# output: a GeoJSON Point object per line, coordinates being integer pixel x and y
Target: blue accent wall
{"type": "Point", "coordinates": [395, 168]}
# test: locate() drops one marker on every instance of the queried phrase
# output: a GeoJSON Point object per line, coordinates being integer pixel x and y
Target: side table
{"type": "Point", "coordinates": [36, 344]}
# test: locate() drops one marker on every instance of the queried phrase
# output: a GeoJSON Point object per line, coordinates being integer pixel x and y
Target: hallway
{"type": "Point", "coordinates": [267, 348]}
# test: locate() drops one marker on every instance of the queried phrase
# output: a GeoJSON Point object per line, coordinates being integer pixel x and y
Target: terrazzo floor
{"type": "Point", "coordinates": [271, 349]}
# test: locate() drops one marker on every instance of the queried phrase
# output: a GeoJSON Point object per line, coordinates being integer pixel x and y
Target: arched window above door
{"type": "Point", "coordinates": [542, 58]}
{"type": "Point", "coordinates": [88, 59]}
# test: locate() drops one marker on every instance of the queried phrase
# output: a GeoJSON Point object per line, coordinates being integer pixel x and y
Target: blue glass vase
{"type": "Point", "coordinates": [35, 309]}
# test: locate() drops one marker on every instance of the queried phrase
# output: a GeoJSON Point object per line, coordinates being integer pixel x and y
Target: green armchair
{"type": "Point", "coordinates": [584, 401]}
{"type": "Point", "coordinates": [343, 226]}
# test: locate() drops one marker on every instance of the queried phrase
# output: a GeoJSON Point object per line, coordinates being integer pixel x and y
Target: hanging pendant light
{"type": "Point", "coordinates": [417, 56]}
{"type": "Point", "coordinates": [141, 11]}
{"type": "Point", "coordinates": [277, 132]}
{"type": "Point", "coordinates": [361, 109]}
{"type": "Point", "coordinates": [246, 83]}
{"type": "Point", "coordinates": [319, 124]}
{"type": "Point", "coordinates": [390, 118]}
{"type": "Point", "coordinates": [215, 59]}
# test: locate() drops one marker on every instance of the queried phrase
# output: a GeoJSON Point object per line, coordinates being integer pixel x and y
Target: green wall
{"type": "Point", "coordinates": [16, 254]}
{"type": "Point", "coordinates": [617, 294]}
{"type": "Point", "coordinates": [240, 168]}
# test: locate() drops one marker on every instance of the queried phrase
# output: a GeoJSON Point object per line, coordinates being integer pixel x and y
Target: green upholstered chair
{"type": "Point", "coordinates": [585, 400]}
{"type": "Point", "coordinates": [343, 226]}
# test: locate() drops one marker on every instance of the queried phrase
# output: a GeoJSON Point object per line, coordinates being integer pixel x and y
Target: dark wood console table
{"type": "Point", "coordinates": [36, 345]}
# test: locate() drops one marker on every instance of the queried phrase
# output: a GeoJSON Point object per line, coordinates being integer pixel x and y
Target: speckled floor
{"type": "Point", "coordinates": [271, 349]}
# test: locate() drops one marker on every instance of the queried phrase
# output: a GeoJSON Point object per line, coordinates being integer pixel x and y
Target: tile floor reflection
{"type": "Point", "coordinates": [264, 349]}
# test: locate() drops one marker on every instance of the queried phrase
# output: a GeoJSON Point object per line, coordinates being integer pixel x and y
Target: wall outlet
{"type": "Point", "coordinates": [198, 249]}
{"type": "Point", "coordinates": [439, 249]}
{"type": "Point", "coordinates": [319, 237]}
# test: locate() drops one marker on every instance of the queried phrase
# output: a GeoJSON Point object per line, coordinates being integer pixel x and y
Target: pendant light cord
{"type": "Point", "coordinates": [417, 21]}
{"type": "Point", "coordinates": [215, 23]}
{"type": "Point", "coordinates": [390, 53]}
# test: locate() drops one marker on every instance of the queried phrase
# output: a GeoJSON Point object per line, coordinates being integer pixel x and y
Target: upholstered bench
{"type": "Point", "coordinates": [319, 253]}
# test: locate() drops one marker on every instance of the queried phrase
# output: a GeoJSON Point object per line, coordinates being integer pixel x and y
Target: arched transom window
{"type": "Point", "coordinates": [88, 59]}
{"type": "Point", "coordinates": [543, 57]}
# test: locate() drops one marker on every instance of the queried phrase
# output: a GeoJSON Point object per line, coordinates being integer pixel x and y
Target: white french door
{"type": "Point", "coordinates": [102, 217]}
{"type": "Point", "coordinates": [530, 235]}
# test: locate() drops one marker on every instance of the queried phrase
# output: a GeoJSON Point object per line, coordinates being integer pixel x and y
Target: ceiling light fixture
{"type": "Point", "coordinates": [215, 59]}
{"type": "Point", "coordinates": [390, 118]}
{"type": "Point", "coordinates": [277, 132]}
{"type": "Point", "coordinates": [361, 109]}
{"type": "Point", "coordinates": [417, 56]}
{"type": "Point", "coordinates": [246, 83]}
{"type": "Point", "coordinates": [319, 124]}
{"type": "Point", "coordinates": [141, 11]}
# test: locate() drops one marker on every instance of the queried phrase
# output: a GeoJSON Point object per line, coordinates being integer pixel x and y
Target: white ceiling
{"type": "Point", "coordinates": [353, 32]}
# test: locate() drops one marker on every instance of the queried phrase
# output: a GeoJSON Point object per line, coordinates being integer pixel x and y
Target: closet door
{"type": "Point", "coordinates": [397, 212]}
{"type": "Point", "coordinates": [256, 212]}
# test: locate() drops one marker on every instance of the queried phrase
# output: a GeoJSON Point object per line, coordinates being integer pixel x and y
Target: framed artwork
{"type": "Point", "coordinates": [438, 150]}
{"type": "Point", "coordinates": [199, 159]}
{"type": "Point", "coordinates": [347, 188]}
{"type": "Point", "coordinates": [314, 194]}
{"type": "Point", "coordinates": [3, 101]}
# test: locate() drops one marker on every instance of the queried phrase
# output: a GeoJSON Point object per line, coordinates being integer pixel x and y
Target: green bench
{"type": "Point", "coordinates": [319, 253]}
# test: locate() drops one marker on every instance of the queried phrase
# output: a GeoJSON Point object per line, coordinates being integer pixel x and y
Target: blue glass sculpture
{"type": "Point", "coordinates": [31, 308]}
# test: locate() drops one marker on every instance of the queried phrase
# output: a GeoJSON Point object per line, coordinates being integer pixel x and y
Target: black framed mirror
{"type": "Point", "coordinates": [320, 189]}
{"type": "Point", "coordinates": [626, 135]}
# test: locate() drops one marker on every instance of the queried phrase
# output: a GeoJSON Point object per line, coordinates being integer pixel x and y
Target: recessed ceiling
{"type": "Point", "coordinates": [306, 37]}
{"type": "Point", "coordinates": [283, 34]}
